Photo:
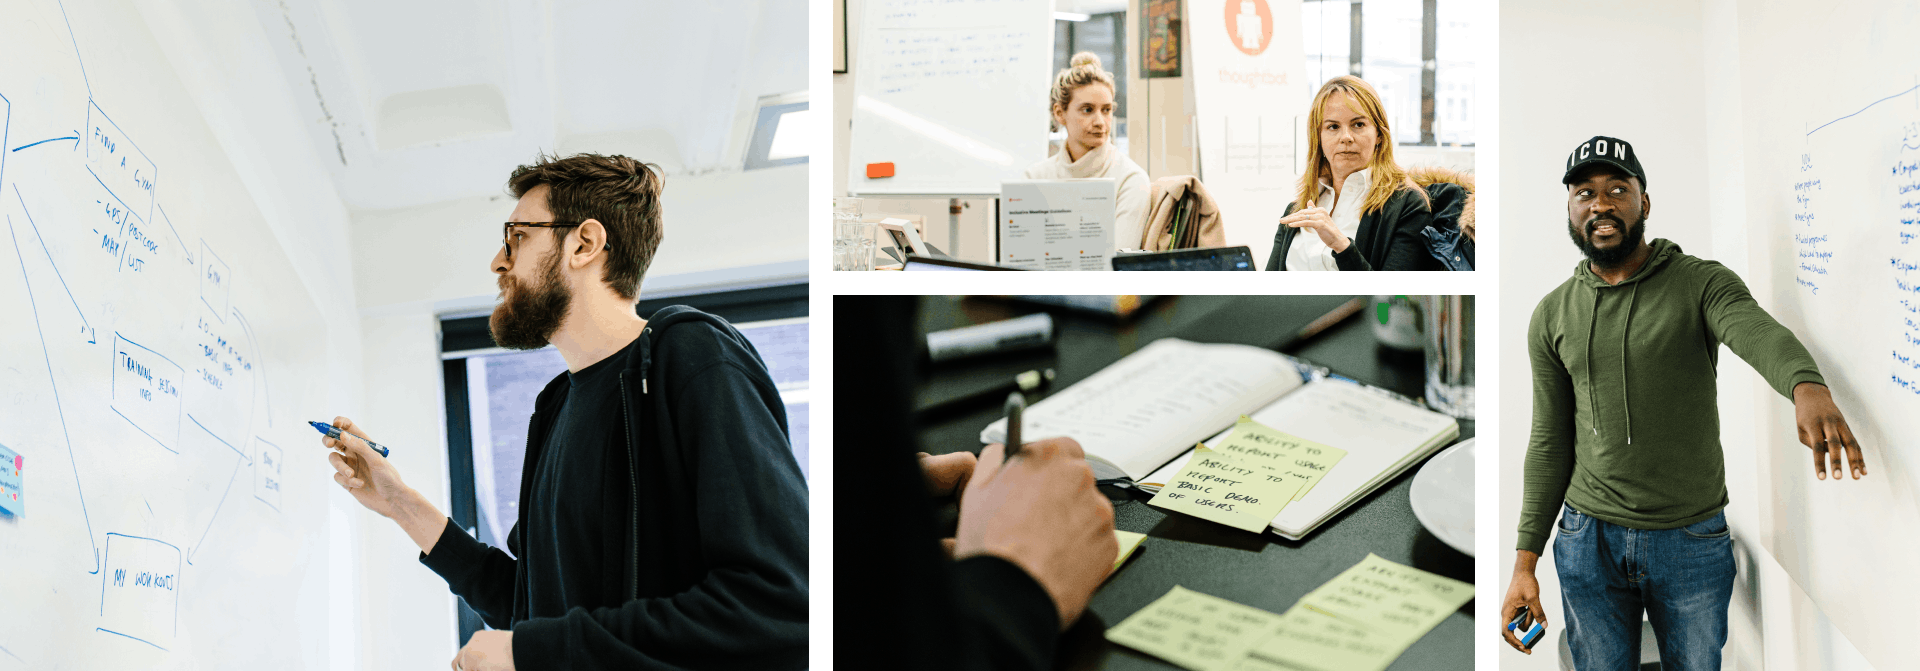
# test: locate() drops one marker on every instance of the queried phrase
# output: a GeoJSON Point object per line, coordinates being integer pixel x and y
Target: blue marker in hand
{"type": "Point", "coordinates": [335, 433]}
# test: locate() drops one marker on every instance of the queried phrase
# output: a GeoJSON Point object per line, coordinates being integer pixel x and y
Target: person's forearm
{"type": "Point", "coordinates": [422, 520]}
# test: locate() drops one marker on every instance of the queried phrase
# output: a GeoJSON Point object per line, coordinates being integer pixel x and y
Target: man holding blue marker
{"type": "Point", "coordinates": [662, 518]}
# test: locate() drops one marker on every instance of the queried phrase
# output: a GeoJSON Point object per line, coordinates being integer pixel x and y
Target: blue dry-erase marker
{"type": "Point", "coordinates": [335, 433]}
{"type": "Point", "coordinates": [1524, 620]}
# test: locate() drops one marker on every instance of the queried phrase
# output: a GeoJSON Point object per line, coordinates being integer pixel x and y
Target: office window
{"type": "Point", "coordinates": [783, 132]}
{"type": "Point", "coordinates": [1328, 41]}
{"type": "Point", "coordinates": [1419, 54]}
{"type": "Point", "coordinates": [1454, 72]}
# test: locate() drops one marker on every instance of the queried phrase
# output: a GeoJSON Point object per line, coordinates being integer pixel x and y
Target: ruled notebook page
{"type": "Point", "coordinates": [1149, 407]}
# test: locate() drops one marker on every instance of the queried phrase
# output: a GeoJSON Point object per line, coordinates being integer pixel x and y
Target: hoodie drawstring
{"type": "Point", "coordinates": [1625, 328]}
{"type": "Point", "coordinates": [1593, 413]}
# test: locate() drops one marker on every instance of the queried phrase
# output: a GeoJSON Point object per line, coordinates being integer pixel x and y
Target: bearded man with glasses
{"type": "Point", "coordinates": [662, 517]}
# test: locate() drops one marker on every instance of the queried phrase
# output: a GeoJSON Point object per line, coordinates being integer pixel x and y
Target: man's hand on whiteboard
{"type": "Point", "coordinates": [1320, 222]}
{"type": "Point", "coordinates": [1823, 429]}
{"type": "Point", "coordinates": [376, 484]}
{"type": "Point", "coordinates": [369, 477]}
{"type": "Point", "coordinates": [486, 651]}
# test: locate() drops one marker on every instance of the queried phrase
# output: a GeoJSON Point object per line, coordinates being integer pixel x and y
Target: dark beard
{"type": "Point", "coordinates": [1609, 258]}
{"type": "Point", "coordinates": [530, 315]}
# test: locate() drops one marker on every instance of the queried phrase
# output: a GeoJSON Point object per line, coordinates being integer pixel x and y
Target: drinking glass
{"type": "Point", "coordinates": [1449, 354]}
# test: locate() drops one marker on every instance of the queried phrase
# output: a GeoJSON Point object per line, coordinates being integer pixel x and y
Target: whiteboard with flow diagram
{"type": "Point", "coordinates": [157, 349]}
{"type": "Point", "coordinates": [1831, 100]}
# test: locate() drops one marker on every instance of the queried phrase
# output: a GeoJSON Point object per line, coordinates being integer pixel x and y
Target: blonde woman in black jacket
{"type": "Point", "coordinates": [1356, 208]}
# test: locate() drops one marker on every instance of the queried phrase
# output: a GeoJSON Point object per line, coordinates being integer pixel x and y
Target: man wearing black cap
{"type": "Point", "coordinates": [1626, 435]}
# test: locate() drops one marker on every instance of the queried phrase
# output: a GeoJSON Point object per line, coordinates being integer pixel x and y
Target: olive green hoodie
{"type": "Point", "coordinates": [1625, 427]}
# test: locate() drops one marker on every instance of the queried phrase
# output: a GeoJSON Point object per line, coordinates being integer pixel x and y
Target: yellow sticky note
{"type": "Point", "coordinates": [1128, 541]}
{"type": "Point", "coordinates": [1225, 489]}
{"type": "Point", "coordinates": [1390, 599]}
{"type": "Point", "coordinates": [1300, 458]}
{"type": "Point", "coordinates": [1194, 630]}
{"type": "Point", "coordinates": [1310, 640]}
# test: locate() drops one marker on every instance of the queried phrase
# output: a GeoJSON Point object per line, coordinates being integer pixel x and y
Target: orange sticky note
{"type": "Point", "coordinates": [879, 170]}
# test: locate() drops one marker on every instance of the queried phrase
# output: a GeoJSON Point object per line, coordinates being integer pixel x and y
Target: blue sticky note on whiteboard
{"type": "Point", "coordinates": [12, 500]}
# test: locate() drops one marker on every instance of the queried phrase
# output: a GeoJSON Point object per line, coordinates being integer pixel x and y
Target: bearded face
{"type": "Point", "coordinates": [530, 312]}
{"type": "Point", "coordinates": [1605, 240]}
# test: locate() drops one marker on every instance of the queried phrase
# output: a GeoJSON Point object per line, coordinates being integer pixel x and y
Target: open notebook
{"type": "Point", "coordinates": [1142, 415]}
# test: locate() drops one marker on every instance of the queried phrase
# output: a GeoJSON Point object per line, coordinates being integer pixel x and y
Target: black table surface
{"type": "Point", "coordinates": [1260, 570]}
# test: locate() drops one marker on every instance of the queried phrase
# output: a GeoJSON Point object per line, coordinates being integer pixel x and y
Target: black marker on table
{"type": "Point", "coordinates": [335, 433]}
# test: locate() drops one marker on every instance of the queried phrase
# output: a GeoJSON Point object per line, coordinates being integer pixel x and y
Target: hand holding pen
{"type": "Point", "coordinates": [360, 468]}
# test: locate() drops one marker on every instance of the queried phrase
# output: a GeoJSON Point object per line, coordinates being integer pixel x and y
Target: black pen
{"type": "Point", "coordinates": [1016, 405]}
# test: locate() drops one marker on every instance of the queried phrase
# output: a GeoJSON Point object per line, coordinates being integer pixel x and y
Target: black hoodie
{"type": "Point", "coordinates": [715, 560]}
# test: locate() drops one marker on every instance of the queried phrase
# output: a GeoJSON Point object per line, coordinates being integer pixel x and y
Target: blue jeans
{"type": "Point", "coordinates": [1682, 578]}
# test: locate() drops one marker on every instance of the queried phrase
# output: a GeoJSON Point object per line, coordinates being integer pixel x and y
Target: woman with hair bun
{"type": "Point", "coordinates": [1357, 209]}
{"type": "Point", "coordinates": [1083, 105]}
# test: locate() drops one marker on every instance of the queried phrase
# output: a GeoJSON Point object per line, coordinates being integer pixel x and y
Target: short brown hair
{"type": "Point", "coordinates": [621, 193]}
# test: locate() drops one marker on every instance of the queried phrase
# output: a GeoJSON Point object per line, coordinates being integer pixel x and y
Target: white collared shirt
{"type": "Point", "coordinates": [1307, 251]}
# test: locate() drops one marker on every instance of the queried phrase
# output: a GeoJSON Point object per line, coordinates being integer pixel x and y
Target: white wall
{"type": "Point", "coordinates": [1668, 83]}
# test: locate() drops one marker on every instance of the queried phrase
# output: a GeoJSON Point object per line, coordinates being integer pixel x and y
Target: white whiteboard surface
{"type": "Point", "coordinates": [157, 359]}
{"type": "Point", "coordinates": [954, 94]}
{"type": "Point", "coordinates": [1831, 99]}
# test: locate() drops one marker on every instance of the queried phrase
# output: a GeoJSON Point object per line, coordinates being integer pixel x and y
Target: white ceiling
{"type": "Point", "coordinates": [424, 101]}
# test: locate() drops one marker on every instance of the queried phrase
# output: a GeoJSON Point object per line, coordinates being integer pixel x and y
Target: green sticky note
{"type": "Point", "coordinates": [1318, 642]}
{"type": "Point", "coordinates": [1397, 601]}
{"type": "Point", "coordinates": [1298, 457]}
{"type": "Point", "coordinates": [1226, 489]}
{"type": "Point", "coordinates": [1128, 541]}
{"type": "Point", "coordinates": [1194, 630]}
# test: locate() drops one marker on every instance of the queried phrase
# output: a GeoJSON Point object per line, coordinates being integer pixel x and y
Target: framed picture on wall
{"type": "Point", "coordinates": [1160, 39]}
{"type": "Point", "coordinates": [840, 38]}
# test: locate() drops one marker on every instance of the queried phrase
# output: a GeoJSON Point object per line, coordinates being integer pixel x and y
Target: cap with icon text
{"type": "Point", "coordinates": [1608, 151]}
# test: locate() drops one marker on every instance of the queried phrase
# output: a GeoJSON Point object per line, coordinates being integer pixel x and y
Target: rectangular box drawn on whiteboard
{"type": "Point", "coordinates": [117, 163]}
{"type": "Point", "coordinates": [140, 589]}
{"type": "Point", "coordinates": [214, 277]}
{"type": "Point", "coordinates": [146, 391]}
{"type": "Point", "coordinates": [266, 474]}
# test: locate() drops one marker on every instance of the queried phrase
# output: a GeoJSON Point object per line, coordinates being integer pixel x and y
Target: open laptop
{"type": "Point", "coordinates": [1213, 258]}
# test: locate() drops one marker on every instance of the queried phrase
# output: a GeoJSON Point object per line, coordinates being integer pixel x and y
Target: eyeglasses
{"type": "Point", "coordinates": [506, 231]}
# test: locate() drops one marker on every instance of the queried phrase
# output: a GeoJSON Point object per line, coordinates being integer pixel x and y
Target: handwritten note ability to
{"type": "Point", "coordinates": [1194, 630]}
{"type": "Point", "coordinates": [1227, 489]}
{"type": "Point", "coordinates": [1298, 457]}
{"type": "Point", "coordinates": [1388, 598]}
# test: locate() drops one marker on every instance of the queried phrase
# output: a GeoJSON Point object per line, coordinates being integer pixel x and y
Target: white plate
{"type": "Point", "coordinates": [1442, 496]}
